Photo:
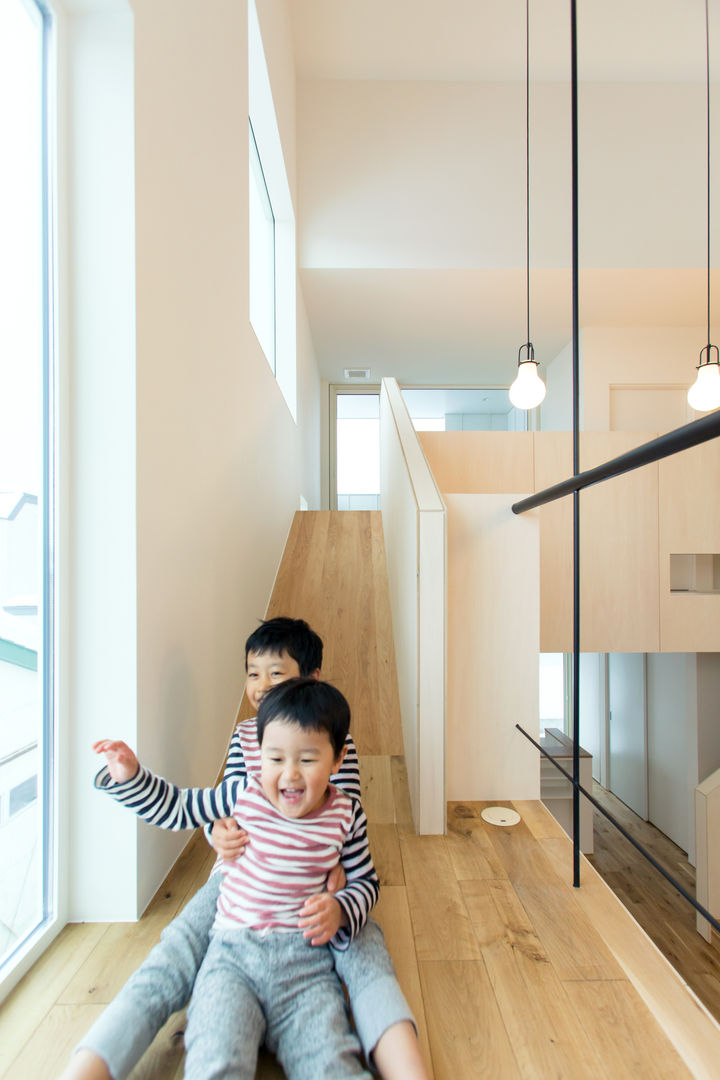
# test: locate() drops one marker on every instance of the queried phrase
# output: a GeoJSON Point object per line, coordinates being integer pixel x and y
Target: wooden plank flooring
{"type": "Point", "coordinates": [664, 915]}
{"type": "Point", "coordinates": [510, 971]}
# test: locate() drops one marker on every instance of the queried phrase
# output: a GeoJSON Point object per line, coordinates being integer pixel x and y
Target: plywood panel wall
{"type": "Point", "coordinates": [492, 646]}
{"type": "Point", "coordinates": [689, 499]}
{"type": "Point", "coordinates": [483, 462]}
{"type": "Point", "coordinates": [620, 572]}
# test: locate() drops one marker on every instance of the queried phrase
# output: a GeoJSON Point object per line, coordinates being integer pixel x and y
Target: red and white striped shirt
{"type": "Point", "coordinates": [158, 802]}
{"type": "Point", "coordinates": [286, 861]}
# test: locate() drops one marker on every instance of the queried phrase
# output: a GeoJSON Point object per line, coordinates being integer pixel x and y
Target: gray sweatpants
{"type": "Point", "coordinates": [276, 988]}
{"type": "Point", "coordinates": [164, 982]}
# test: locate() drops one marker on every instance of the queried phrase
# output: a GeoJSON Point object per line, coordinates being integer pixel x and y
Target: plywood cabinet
{"type": "Point", "coordinates": [629, 527]}
{"type": "Point", "coordinates": [619, 600]}
{"type": "Point", "coordinates": [553, 463]}
{"type": "Point", "coordinates": [689, 495]}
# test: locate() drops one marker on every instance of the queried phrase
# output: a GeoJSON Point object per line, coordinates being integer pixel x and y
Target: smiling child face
{"type": "Point", "coordinates": [296, 766]}
{"type": "Point", "coordinates": [265, 670]}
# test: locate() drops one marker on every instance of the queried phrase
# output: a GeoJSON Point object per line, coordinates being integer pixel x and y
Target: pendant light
{"type": "Point", "coordinates": [704, 394]}
{"type": "Point", "coordinates": [528, 390]}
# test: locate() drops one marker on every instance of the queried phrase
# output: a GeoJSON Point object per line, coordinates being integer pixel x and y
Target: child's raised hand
{"type": "Point", "coordinates": [228, 839]}
{"type": "Point", "coordinates": [321, 918]}
{"type": "Point", "coordinates": [121, 761]}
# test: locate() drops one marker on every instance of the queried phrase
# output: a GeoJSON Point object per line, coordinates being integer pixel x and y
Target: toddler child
{"type": "Point", "coordinates": [278, 649]}
{"type": "Point", "coordinates": [261, 977]}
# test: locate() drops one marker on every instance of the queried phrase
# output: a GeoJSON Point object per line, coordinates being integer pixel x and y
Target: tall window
{"type": "Point", "coordinates": [262, 256]}
{"type": "Point", "coordinates": [25, 477]}
{"type": "Point", "coordinates": [272, 226]}
{"type": "Point", "coordinates": [355, 447]}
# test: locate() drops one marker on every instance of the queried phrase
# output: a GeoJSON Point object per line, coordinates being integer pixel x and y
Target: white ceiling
{"type": "Point", "coordinates": [483, 40]}
{"type": "Point", "coordinates": [411, 177]}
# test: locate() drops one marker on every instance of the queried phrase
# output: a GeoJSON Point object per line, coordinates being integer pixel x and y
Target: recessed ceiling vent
{"type": "Point", "coordinates": [357, 374]}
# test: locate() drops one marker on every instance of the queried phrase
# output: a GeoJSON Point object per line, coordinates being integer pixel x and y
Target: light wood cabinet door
{"type": "Point", "coordinates": [619, 599]}
{"type": "Point", "coordinates": [689, 496]}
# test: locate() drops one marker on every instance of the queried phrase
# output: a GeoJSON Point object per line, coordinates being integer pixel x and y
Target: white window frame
{"type": "Point", "coordinates": [336, 389]}
{"type": "Point", "coordinates": [261, 113]}
{"type": "Point", "coordinates": [24, 955]}
{"type": "Point", "coordinates": [263, 258]}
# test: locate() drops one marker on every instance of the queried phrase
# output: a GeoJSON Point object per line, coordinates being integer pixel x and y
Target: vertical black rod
{"type": "Point", "coordinates": [707, 84]}
{"type": "Point", "coordinates": [527, 165]}
{"type": "Point", "coordinates": [576, 447]}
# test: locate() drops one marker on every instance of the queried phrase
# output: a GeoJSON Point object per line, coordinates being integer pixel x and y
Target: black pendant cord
{"type": "Point", "coordinates": [707, 88]}
{"type": "Point", "coordinates": [576, 440]}
{"type": "Point", "coordinates": [527, 164]}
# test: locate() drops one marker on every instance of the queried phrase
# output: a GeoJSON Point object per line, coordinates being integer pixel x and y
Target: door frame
{"type": "Point", "coordinates": [341, 389]}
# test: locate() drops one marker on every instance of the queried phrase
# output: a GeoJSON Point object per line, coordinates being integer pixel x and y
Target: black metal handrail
{"type": "Point", "coordinates": [682, 438]}
{"type": "Point", "coordinates": [692, 434]}
{"type": "Point", "coordinates": [628, 836]}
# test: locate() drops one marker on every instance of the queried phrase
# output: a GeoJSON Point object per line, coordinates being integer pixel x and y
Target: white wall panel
{"type": "Point", "coordinates": [493, 645]}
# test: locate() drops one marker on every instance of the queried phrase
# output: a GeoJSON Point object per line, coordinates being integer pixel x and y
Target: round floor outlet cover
{"type": "Point", "coordinates": [500, 815]}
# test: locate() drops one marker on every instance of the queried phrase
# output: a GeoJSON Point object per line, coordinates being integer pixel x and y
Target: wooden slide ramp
{"type": "Point", "coordinates": [510, 971]}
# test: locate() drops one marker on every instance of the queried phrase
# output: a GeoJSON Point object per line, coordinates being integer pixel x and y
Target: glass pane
{"type": "Point", "coordinates": [358, 451]}
{"type": "Point", "coordinates": [262, 257]}
{"type": "Point", "coordinates": [552, 691]}
{"type": "Point", "coordinates": [23, 604]}
{"type": "Point", "coordinates": [456, 408]}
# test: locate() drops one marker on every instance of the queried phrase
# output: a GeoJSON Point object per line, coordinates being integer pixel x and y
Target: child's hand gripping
{"type": "Point", "coordinates": [121, 761]}
{"type": "Point", "coordinates": [228, 839]}
{"type": "Point", "coordinates": [322, 916]}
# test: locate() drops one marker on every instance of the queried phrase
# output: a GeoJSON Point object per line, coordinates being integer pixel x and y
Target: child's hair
{"type": "Point", "coordinates": [292, 636]}
{"type": "Point", "coordinates": [312, 705]}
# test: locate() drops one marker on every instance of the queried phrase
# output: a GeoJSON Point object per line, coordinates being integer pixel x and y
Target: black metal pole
{"type": "Point", "coordinates": [576, 446]}
{"type": "Point", "coordinates": [682, 438]}
{"type": "Point", "coordinates": [628, 836]}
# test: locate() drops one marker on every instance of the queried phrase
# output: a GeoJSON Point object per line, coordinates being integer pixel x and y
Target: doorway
{"type": "Point", "coordinates": [354, 447]}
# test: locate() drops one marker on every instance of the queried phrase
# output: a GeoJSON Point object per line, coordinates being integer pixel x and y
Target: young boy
{"type": "Point", "coordinates": [261, 977]}
{"type": "Point", "coordinates": [279, 649]}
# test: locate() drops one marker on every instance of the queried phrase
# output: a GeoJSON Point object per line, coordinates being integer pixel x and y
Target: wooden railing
{"type": "Point", "coordinates": [707, 851]}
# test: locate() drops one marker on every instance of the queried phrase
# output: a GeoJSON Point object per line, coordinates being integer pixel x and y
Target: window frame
{"type": "Point", "coordinates": [20, 958]}
{"type": "Point", "coordinates": [256, 167]}
{"type": "Point", "coordinates": [340, 390]}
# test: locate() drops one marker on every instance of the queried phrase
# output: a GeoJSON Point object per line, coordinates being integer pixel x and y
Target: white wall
{"type": "Point", "coordinates": [593, 711]}
{"type": "Point", "coordinates": [669, 743]}
{"type": "Point", "coordinates": [708, 696]}
{"type": "Point", "coordinates": [414, 531]}
{"type": "Point", "coordinates": [671, 738]}
{"type": "Point", "coordinates": [556, 410]}
{"type": "Point", "coordinates": [220, 462]}
{"type": "Point", "coordinates": [97, 651]}
{"type": "Point", "coordinates": [628, 730]}
{"type": "Point", "coordinates": [373, 238]}
{"type": "Point", "coordinates": [628, 356]}
{"type": "Point", "coordinates": [493, 645]}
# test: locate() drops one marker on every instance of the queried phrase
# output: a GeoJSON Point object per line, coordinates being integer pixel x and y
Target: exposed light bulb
{"type": "Point", "coordinates": [528, 390]}
{"type": "Point", "coordinates": [704, 394]}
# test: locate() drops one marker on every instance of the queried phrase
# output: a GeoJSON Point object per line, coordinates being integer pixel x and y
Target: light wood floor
{"type": "Point", "coordinates": [664, 915]}
{"type": "Point", "coordinates": [511, 972]}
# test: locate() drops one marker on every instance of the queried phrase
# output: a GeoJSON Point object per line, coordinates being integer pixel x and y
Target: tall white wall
{"type": "Point", "coordinates": [623, 359]}
{"type": "Point", "coordinates": [96, 660]}
{"type": "Point", "coordinates": [493, 643]}
{"type": "Point", "coordinates": [708, 696]}
{"type": "Point", "coordinates": [670, 741]}
{"type": "Point", "coordinates": [556, 409]}
{"type": "Point", "coordinates": [631, 356]}
{"type": "Point", "coordinates": [414, 531]}
{"type": "Point", "coordinates": [220, 464]}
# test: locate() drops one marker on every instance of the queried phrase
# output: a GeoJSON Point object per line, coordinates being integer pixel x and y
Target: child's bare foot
{"type": "Point", "coordinates": [85, 1065]}
{"type": "Point", "coordinates": [397, 1055]}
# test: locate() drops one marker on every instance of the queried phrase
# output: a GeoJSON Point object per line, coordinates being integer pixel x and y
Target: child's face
{"type": "Point", "coordinates": [295, 767]}
{"type": "Point", "coordinates": [265, 670]}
